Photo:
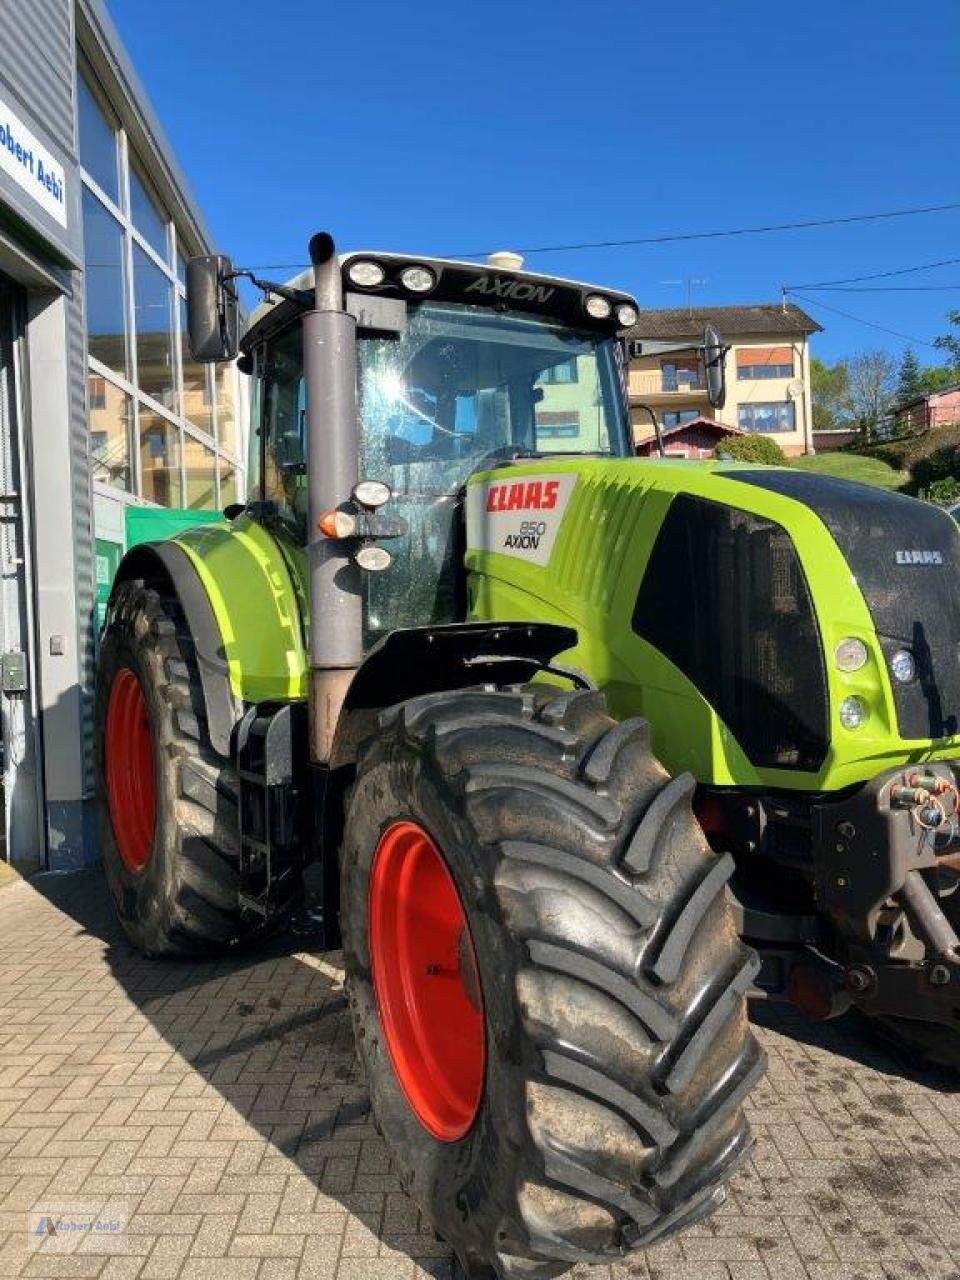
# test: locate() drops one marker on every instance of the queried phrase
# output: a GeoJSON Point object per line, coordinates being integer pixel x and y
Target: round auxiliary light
{"type": "Point", "coordinates": [371, 493]}
{"type": "Point", "coordinates": [853, 712]}
{"type": "Point", "coordinates": [366, 274]}
{"type": "Point", "coordinates": [373, 558]}
{"type": "Point", "coordinates": [850, 655]}
{"type": "Point", "coordinates": [627, 316]}
{"type": "Point", "coordinates": [598, 307]}
{"type": "Point", "coordinates": [418, 279]}
{"type": "Point", "coordinates": [903, 666]}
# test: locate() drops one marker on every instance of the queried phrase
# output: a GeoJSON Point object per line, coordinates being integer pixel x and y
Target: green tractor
{"type": "Point", "coordinates": [558, 730]}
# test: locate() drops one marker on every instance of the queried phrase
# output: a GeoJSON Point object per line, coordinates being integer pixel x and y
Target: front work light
{"type": "Point", "coordinates": [903, 666]}
{"type": "Point", "coordinates": [366, 274]}
{"type": "Point", "coordinates": [598, 307]}
{"type": "Point", "coordinates": [627, 316]}
{"type": "Point", "coordinates": [853, 712]}
{"type": "Point", "coordinates": [418, 279]}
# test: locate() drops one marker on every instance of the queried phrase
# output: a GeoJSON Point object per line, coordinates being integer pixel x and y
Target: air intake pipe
{"type": "Point", "coordinates": [336, 608]}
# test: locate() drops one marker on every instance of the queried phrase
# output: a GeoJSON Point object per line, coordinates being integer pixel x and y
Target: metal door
{"type": "Point", "coordinates": [23, 841]}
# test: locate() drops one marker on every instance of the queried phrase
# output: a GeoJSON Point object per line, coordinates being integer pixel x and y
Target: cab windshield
{"type": "Point", "coordinates": [465, 387]}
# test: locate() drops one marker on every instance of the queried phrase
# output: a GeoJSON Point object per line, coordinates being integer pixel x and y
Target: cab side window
{"type": "Point", "coordinates": [283, 426]}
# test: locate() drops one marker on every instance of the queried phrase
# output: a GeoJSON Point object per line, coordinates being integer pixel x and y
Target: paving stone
{"type": "Point", "coordinates": [223, 1104]}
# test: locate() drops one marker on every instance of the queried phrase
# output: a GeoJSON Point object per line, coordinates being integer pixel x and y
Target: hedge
{"type": "Point", "coordinates": [751, 449]}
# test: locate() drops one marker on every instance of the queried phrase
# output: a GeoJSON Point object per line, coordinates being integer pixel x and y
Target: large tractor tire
{"type": "Point", "coordinates": [167, 800]}
{"type": "Point", "coordinates": [546, 984]}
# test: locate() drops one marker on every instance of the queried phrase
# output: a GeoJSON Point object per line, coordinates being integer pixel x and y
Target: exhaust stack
{"type": "Point", "coordinates": [330, 376]}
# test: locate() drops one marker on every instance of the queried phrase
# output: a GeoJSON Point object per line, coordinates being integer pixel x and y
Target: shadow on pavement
{"type": "Point", "coordinates": [271, 1032]}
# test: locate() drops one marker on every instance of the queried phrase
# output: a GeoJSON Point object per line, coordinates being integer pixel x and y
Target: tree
{"type": "Point", "coordinates": [872, 380]}
{"type": "Point", "coordinates": [830, 394]}
{"type": "Point", "coordinates": [910, 384]}
{"type": "Point", "coordinates": [936, 377]}
{"type": "Point", "coordinates": [950, 342]}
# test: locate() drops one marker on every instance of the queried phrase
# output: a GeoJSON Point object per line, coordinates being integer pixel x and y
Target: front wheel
{"type": "Point", "coordinates": [168, 801]}
{"type": "Point", "coordinates": [546, 985]}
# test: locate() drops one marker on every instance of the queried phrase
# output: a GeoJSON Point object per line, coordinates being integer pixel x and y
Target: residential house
{"type": "Point", "coordinates": [935, 409]}
{"type": "Point", "coordinates": [767, 370]}
{"type": "Point", "coordinates": [699, 438]}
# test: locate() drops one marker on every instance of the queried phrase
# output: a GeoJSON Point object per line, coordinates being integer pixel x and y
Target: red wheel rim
{"type": "Point", "coordinates": [426, 982]}
{"type": "Point", "coordinates": [131, 788]}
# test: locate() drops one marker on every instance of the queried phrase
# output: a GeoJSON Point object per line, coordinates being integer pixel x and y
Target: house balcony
{"type": "Point", "coordinates": [652, 386]}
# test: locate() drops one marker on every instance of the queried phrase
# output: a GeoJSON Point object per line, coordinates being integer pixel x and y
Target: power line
{"type": "Point", "coordinates": [730, 231]}
{"type": "Point", "coordinates": [701, 235]}
{"type": "Point", "coordinates": [886, 288]}
{"type": "Point", "coordinates": [815, 302]}
{"type": "Point", "coordinates": [876, 275]}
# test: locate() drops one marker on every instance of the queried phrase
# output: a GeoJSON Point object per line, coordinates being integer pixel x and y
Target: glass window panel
{"type": "Point", "coordinates": [159, 458]}
{"type": "Point", "coordinates": [153, 319]}
{"type": "Point", "coordinates": [198, 463]}
{"type": "Point", "coordinates": [98, 143]}
{"type": "Point", "coordinates": [197, 402]}
{"type": "Point", "coordinates": [228, 483]}
{"type": "Point", "coordinates": [227, 406]}
{"type": "Point", "coordinates": [778, 416]}
{"type": "Point", "coordinates": [104, 280]}
{"type": "Point", "coordinates": [147, 216]}
{"type": "Point", "coordinates": [111, 417]}
{"type": "Point", "coordinates": [181, 268]}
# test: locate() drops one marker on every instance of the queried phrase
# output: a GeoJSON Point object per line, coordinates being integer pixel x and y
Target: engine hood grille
{"type": "Point", "coordinates": [725, 598]}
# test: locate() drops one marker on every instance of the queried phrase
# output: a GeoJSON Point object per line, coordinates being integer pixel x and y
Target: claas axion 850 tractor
{"type": "Point", "coordinates": [569, 735]}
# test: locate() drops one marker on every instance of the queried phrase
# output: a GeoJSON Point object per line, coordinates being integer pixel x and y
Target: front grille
{"type": "Point", "coordinates": [724, 597]}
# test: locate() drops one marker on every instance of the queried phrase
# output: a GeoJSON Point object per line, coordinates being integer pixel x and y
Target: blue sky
{"type": "Point", "coordinates": [450, 127]}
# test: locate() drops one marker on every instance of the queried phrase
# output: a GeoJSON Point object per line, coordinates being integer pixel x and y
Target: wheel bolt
{"type": "Point", "coordinates": [859, 979]}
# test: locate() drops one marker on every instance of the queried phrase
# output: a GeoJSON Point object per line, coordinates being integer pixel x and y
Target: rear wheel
{"type": "Point", "coordinates": [169, 835]}
{"type": "Point", "coordinates": [546, 985]}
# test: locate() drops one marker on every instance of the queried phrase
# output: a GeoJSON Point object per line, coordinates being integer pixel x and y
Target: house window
{"type": "Point", "coordinates": [777, 416]}
{"type": "Point", "coordinates": [162, 428]}
{"type": "Point", "coordinates": [756, 363]}
{"type": "Point", "coordinates": [677, 417]}
{"type": "Point", "coordinates": [680, 377]}
{"type": "Point", "coordinates": [559, 374]}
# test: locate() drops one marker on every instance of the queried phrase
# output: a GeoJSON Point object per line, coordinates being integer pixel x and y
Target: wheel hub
{"type": "Point", "coordinates": [426, 982]}
{"type": "Point", "coordinates": [129, 769]}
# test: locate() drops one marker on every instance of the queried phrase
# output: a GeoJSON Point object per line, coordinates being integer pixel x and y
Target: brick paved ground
{"type": "Point", "coordinates": [221, 1102]}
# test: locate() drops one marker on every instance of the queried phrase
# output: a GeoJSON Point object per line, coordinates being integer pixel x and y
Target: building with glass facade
{"type": "Point", "coordinates": [101, 407]}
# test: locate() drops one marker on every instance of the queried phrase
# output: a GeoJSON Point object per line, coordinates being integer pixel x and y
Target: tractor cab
{"type": "Point", "coordinates": [460, 367]}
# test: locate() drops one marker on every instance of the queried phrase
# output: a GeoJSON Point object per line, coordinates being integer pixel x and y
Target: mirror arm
{"type": "Point", "coordinates": [656, 427]}
{"type": "Point", "coordinates": [303, 297]}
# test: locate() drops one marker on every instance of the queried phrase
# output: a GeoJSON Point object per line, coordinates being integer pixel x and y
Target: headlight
{"type": "Point", "coordinates": [853, 712]}
{"type": "Point", "coordinates": [366, 274]}
{"type": "Point", "coordinates": [371, 493]}
{"type": "Point", "coordinates": [903, 666]}
{"type": "Point", "coordinates": [599, 308]}
{"type": "Point", "coordinates": [418, 279]}
{"type": "Point", "coordinates": [627, 316]}
{"type": "Point", "coordinates": [850, 655]}
{"type": "Point", "coordinates": [373, 558]}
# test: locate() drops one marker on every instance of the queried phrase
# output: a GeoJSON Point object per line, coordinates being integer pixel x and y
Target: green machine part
{"type": "Point", "coordinates": [569, 542]}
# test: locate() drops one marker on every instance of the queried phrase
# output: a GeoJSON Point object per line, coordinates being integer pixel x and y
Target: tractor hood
{"type": "Point", "coordinates": [712, 599]}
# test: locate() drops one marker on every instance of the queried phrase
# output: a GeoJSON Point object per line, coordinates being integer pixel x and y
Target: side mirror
{"type": "Point", "coordinates": [714, 361]}
{"type": "Point", "coordinates": [213, 310]}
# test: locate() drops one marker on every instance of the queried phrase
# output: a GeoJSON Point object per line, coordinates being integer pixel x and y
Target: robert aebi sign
{"type": "Point", "coordinates": [25, 159]}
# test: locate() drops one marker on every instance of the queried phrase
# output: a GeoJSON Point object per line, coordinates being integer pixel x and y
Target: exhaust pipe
{"type": "Point", "coordinates": [336, 606]}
